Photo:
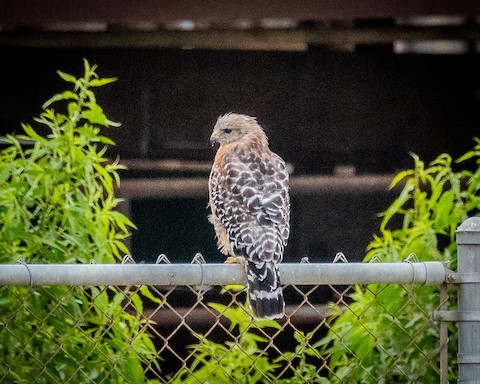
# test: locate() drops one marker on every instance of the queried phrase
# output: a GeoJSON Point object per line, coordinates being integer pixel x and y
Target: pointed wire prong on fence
{"type": "Point", "coordinates": [200, 260]}
{"type": "Point", "coordinates": [304, 260]}
{"type": "Point", "coordinates": [127, 259]}
{"type": "Point", "coordinates": [162, 259]}
{"type": "Point", "coordinates": [93, 261]}
{"type": "Point", "coordinates": [376, 259]}
{"type": "Point", "coordinates": [340, 258]}
{"type": "Point", "coordinates": [412, 257]}
{"type": "Point", "coordinates": [22, 262]}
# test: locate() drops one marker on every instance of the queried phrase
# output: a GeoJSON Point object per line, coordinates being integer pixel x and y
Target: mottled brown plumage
{"type": "Point", "coordinates": [250, 206]}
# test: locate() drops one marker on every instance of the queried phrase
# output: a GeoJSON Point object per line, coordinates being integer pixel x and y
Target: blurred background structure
{"type": "Point", "coordinates": [344, 91]}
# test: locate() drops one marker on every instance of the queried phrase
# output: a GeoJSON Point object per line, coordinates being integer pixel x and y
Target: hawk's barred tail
{"type": "Point", "coordinates": [265, 292]}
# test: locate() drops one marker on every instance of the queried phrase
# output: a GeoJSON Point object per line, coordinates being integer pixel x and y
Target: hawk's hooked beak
{"type": "Point", "coordinates": [214, 137]}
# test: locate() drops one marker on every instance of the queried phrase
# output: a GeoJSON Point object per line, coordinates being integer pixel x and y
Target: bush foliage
{"type": "Point", "coordinates": [422, 220]}
{"type": "Point", "coordinates": [241, 360]}
{"type": "Point", "coordinates": [57, 205]}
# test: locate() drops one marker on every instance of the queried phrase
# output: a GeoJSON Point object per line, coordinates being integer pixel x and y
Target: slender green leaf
{"type": "Point", "coordinates": [52, 100]}
{"type": "Point", "coordinates": [67, 77]}
{"type": "Point", "coordinates": [101, 82]}
{"type": "Point", "coordinates": [466, 156]}
{"type": "Point", "coordinates": [95, 115]}
{"type": "Point", "coordinates": [400, 176]}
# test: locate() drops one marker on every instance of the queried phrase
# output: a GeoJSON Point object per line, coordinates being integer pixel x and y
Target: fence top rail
{"type": "Point", "coordinates": [430, 273]}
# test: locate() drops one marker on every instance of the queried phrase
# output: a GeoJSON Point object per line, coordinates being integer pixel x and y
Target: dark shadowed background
{"type": "Point", "coordinates": [344, 105]}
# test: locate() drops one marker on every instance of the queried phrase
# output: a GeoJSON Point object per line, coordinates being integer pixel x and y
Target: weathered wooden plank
{"type": "Point", "coordinates": [27, 12]}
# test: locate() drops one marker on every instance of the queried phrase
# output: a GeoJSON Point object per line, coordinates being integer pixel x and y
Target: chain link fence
{"type": "Point", "coordinates": [175, 323]}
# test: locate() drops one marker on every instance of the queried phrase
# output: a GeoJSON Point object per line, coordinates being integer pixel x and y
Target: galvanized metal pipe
{"type": "Point", "coordinates": [468, 314]}
{"type": "Point", "coordinates": [431, 273]}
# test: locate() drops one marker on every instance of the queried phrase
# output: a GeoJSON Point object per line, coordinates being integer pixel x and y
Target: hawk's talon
{"type": "Point", "coordinates": [235, 260]}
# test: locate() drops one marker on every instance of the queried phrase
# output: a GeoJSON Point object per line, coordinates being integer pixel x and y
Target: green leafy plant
{"type": "Point", "coordinates": [57, 205]}
{"type": "Point", "coordinates": [241, 360]}
{"type": "Point", "coordinates": [386, 335]}
{"type": "Point", "coordinates": [245, 359]}
{"type": "Point", "coordinates": [304, 371]}
{"type": "Point", "coordinates": [56, 197]}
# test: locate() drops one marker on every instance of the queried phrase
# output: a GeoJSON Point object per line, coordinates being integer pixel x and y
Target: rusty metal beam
{"type": "Point", "coordinates": [196, 317]}
{"type": "Point", "coordinates": [291, 39]}
{"type": "Point", "coordinates": [299, 185]}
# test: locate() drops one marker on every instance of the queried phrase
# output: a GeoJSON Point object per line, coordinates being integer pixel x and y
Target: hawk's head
{"type": "Point", "coordinates": [233, 127]}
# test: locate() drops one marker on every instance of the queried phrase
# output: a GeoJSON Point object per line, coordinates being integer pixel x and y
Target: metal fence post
{"type": "Point", "coordinates": [468, 315]}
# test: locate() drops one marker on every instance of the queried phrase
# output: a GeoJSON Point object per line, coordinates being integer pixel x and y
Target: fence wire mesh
{"type": "Point", "coordinates": [176, 334]}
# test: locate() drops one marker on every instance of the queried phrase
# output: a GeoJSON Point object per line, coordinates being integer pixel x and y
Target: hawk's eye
{"type": "Point", "coordinates": [227, 130]}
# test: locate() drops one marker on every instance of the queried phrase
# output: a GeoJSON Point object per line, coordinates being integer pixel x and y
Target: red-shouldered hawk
{"type": "Point", "coordinates": [250, 206]}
